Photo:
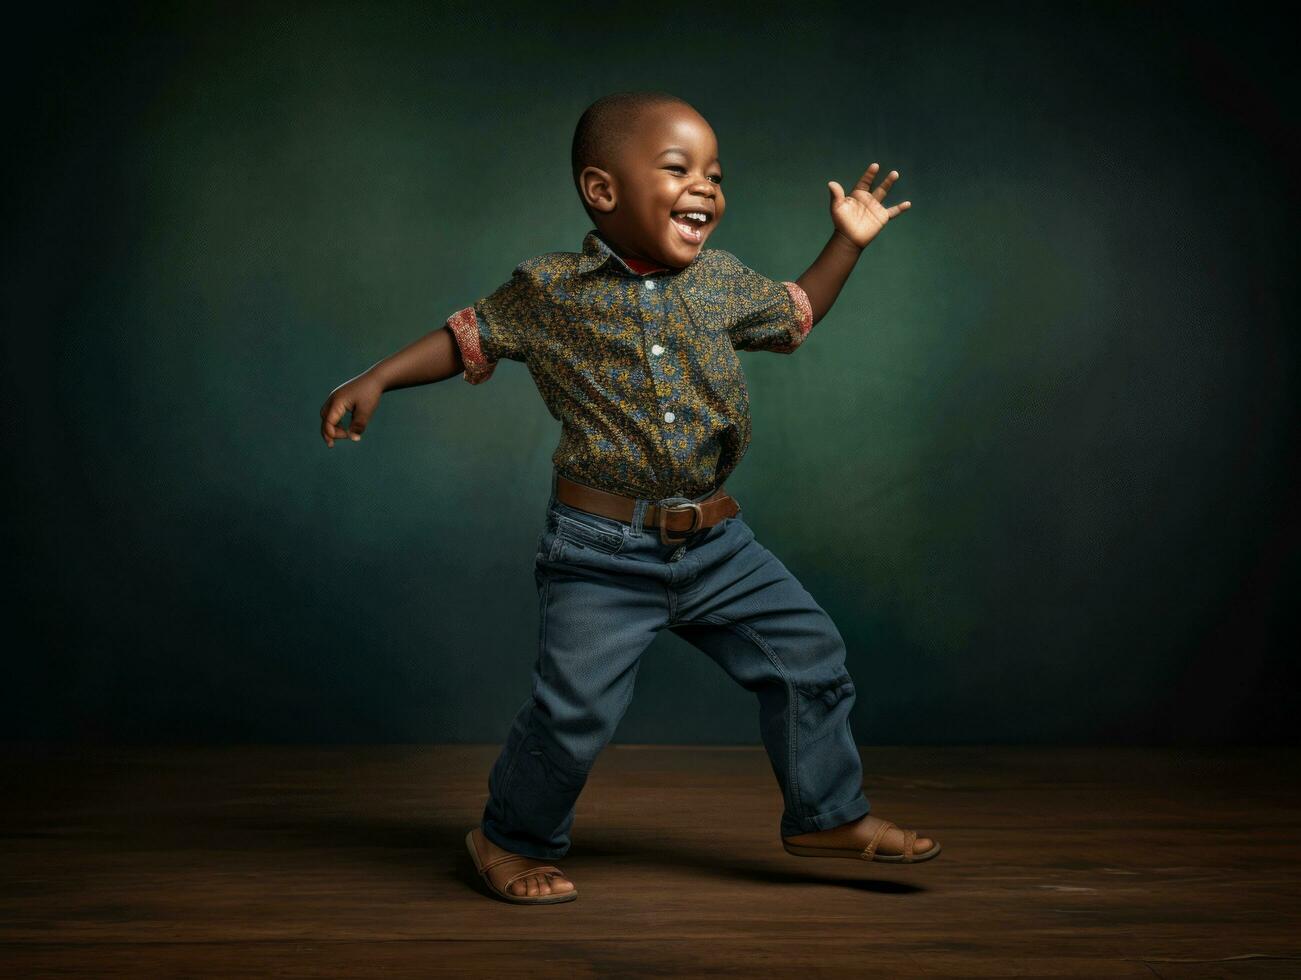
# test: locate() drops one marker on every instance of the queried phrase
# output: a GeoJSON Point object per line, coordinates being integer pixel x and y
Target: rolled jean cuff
{"type": "Point", "coordinates": [521, 847]}
{"type": "Point", "coordinates": [851, 811]}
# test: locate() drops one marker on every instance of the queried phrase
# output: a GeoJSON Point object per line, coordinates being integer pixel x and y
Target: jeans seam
{"type": "Point", "coordinates": [791, 688]}
{"type": "Point", "coordinates": [542, 627]}
{"type": "Point", "coordinates": [528, 728]}
{"type": "Point", "coordinates": [506, 780]}
{"type": "Point", "coordinates": [632, 681]}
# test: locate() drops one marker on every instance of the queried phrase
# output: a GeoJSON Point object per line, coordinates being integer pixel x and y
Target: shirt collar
{"type": "Point", "coordinates": [597, 252]}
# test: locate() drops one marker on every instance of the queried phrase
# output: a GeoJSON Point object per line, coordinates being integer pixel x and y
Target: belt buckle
{"type": "Point", "coordinates": [676, 505]}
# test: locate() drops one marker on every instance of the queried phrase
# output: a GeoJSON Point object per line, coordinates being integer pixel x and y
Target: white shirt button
{"type": "Point", "coordinates": [650, 283]}
{"type": "Point", "coordinates": [657, 350]}
{"type": "Point", "coordinates": [669, 416]}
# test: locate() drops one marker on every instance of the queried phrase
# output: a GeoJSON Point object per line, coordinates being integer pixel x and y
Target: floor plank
{"type": "Point", "coordinates": [348, 860]}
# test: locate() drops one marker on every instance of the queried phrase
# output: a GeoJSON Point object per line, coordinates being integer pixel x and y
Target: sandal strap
{"type": "Point", "coordinates": [870, 850]}
{"type": "Point", "coordinates": [535, 869]}
{"type": "Point", "coordinates": [503, 859]}
{"type": "Point", "coordinates": [909, 838]}
{"type": "Point", "coordinates": [542, 868]}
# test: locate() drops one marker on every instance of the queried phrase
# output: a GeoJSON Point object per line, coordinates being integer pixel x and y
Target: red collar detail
{"type": "Point", "coordinates": [641, 267]}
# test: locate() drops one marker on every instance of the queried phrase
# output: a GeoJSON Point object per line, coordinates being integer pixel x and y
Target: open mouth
{"type": "Point", "coordinates": [690, 224]}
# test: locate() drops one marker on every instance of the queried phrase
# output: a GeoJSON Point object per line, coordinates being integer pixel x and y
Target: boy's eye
{"type": "Point", "coordinates": [716, 178]}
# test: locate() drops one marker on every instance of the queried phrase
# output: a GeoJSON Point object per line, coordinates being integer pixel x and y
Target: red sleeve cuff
{"type": "Point", "coordinates": [464, 325]}
{"type": "Point", "coordinates": [803, 306]}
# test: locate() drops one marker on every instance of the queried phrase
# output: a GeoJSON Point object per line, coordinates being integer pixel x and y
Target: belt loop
{"type": "Point", "coordinates": [639, 516]}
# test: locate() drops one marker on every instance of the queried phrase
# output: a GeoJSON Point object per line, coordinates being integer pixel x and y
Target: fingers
{"type": "Point", "coordinates": [837, 192]}
{"type": "Point", "coordinates": [360, 417]}
{"type": "Point", "coordinates": [901, 206]}
{"type": "Point", "coordinates": [883, 188]}
{"type": "Point", "coordinates": [865, 182]}
{"type": "Point", "coordinates": [331, 412]}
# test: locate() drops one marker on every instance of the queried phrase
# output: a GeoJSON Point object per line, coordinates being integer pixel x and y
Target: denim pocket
{"type": "Point", "coordinates": [590, 531]}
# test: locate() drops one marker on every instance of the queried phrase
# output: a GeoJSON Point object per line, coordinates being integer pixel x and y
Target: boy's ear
{"type": "Point", "coordinates": [597, 187]}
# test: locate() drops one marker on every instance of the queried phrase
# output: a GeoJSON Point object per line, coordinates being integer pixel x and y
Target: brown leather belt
{"type": "Point", "coordinates": [678, 514]}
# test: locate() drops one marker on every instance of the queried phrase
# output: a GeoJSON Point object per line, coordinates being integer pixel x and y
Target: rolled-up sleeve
{"type": "Point", "coordinates": [765, 314]}
{"type": "Point", "coordinates": [495, 327]}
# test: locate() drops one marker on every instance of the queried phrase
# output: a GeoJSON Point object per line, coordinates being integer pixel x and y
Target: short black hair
{"type": "Point", "coordinates": [604, 127]}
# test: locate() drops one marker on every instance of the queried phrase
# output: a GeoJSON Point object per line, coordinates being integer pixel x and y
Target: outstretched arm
{"type": "Point", "coordinates": [471, 342]}
{"type": "Point", "coordinates": [858, 218]}
{"type": "Point", "coordinates": [433, 357]}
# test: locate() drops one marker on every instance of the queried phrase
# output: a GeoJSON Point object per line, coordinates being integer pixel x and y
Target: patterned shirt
{"type": "Point", "coordinates": [640, 370]}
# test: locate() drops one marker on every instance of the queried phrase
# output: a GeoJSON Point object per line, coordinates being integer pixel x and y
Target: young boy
{"type": "Point", "coordinates": [632, 345]}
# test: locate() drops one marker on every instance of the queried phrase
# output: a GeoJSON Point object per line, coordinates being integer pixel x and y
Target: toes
{"type": "Point", "coordinates": [540, 884]}
{"type": "Point", "coordinates": [532, 885]}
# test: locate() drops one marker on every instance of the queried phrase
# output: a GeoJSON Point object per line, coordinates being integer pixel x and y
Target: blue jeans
{"type": "Point", "coordinates": [605, 589]}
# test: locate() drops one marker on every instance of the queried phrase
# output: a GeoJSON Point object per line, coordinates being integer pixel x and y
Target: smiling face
{"type": "Point", "coordinates": [665, 180]}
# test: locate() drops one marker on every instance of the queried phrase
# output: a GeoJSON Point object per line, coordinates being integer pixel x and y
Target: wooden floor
{"type": "Point", "coordinates": [349, 861]}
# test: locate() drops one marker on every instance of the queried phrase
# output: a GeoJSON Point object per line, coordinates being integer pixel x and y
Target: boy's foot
{"type": "Point", "coordinates": [853, 838]}
{"type": "Point", "coordinates": [549, 882]}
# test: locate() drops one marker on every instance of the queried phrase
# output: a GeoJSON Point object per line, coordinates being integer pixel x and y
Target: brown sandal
{"type": "Point", "coordinates": [548, 869]}
{"type": "Point", "coordinates": [869, 853]}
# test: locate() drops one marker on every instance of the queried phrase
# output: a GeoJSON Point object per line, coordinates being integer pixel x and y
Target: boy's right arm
{"type": "Point", "coordinates": [434, 357]}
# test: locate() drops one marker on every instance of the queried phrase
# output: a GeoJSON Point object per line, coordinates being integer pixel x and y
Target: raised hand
{"type": "Point", "coordinates": [860, 215]}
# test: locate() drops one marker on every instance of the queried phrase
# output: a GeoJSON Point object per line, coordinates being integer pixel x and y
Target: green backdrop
{"type": "Point", "coordinates": [1038, 462]}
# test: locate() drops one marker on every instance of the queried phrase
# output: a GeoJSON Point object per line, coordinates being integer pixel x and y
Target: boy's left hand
{"type": "Point", "coordinates": [860, 216]}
